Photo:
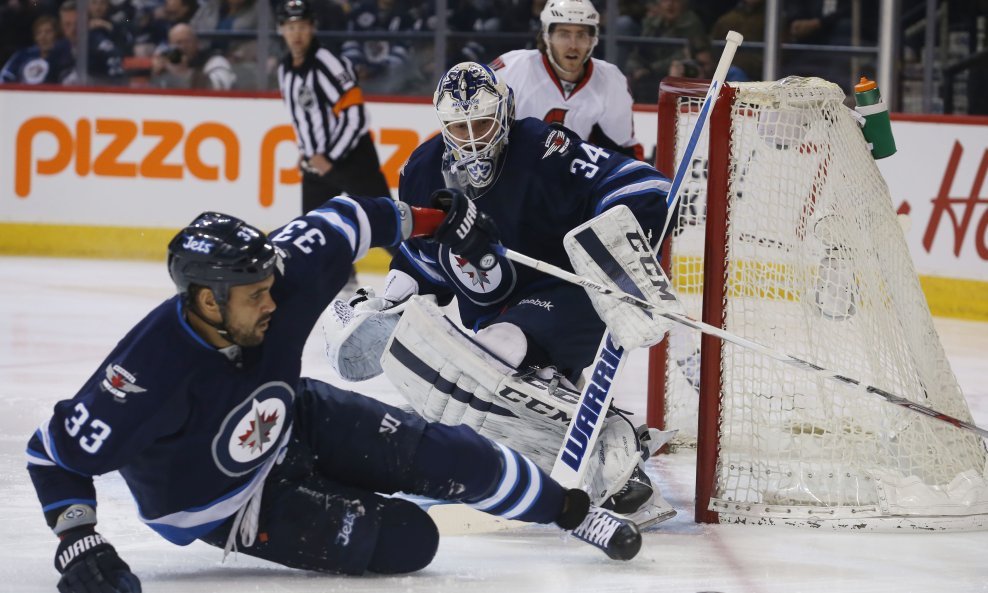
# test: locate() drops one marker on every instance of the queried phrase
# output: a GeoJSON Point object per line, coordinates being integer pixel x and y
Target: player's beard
{"type": "Point", "coordinates": [247, 336]}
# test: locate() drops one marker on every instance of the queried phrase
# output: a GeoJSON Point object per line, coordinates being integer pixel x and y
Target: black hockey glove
{"type": "Point", "coordinates": [467, 231]}
{"type": "Point", "coordinates": [89, 564]}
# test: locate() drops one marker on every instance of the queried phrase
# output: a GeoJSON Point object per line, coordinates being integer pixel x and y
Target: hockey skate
{"type": "Point", "coordinates": [616, 536]}
{"type": "Point", "coordinates": [639, 501]}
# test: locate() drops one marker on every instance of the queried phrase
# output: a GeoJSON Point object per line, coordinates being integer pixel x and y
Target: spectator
{"type": "Point", "coordinates": [48, 61]}
{"type": "Point", "coordinates": [650, 63]}
{"type": "Point", "coordinates": [105, 56]}
{"type": "Point", "coordinates": [330, 14]}
{"type": "Point", "coordinates": [383, 66]}
{"type": "Point", "coordinates": [118, 28]}
{"type": "Point", "coordinates": [154, 23]}
{"type": "Point", "coordinates": [181, 64]}
{"type": "Point", "coordinates": [827, 22]}
{"type": "Point", "coordinates": [230, 15]}
{"type": "Point", "coordinates": [748, 19]}
{"type": "Point", "coordinates": [16, 19]}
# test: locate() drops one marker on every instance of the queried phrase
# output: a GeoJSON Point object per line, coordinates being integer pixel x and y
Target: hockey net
{"type": "Point", "coordinates": [785, 234]}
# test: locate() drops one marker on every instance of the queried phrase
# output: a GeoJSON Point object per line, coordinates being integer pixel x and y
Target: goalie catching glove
{"type": "Point", "coordinates": [611, 249]}
{"type": "Point", "coordinates": [358, 329]}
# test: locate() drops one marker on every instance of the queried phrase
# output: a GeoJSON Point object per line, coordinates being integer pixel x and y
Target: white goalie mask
{"type": "Point", "coordinates": [476, 111]}
{"type": "Point", "coordinates": [569, 12]}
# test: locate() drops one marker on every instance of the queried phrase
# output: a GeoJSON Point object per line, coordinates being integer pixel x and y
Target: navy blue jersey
{"type": "Point", "coordinates": [27, 66]}
{"type": "Point", "coordinates": [192, 431]}
{"type": "Point", "coordinates": [550, 181]}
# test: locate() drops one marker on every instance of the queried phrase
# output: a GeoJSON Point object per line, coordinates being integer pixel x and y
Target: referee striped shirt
{"type": "Point", "coordinates": [326, 105]}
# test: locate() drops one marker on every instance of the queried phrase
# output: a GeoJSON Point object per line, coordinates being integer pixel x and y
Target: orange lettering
{"type": "Point", "coordinates": [406, 141]}
{"type": "Point", "coordinates": [83, 146]}
{"type": "Point", "coordinates": [154, 165]}
{"type": "Point", "coordinates": [24, 143]}
{"type": "Point", "coordinates": [107, 163]}
{"type": "Point", "coordinates": [269, 144]}
{"type": "Point", "coordinates": [231, 147]}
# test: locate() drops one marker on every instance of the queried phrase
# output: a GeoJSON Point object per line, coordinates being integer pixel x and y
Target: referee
{"type": "Point", "coordinates": [327, 110]}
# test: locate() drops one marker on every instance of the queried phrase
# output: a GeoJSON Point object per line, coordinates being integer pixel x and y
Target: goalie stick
{"type": "Point", "coordinates": [727, 336]}
{"type": "Point", "coordinates": [584, 429]}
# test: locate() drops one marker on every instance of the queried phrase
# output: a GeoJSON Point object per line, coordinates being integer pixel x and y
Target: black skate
{"type": "Point", "coordinates": [635, 493]}
{"type": "Point", "coordinates": [619, 538]}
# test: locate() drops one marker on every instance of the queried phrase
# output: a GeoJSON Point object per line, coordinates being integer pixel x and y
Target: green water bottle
{"type": "Point", "coordinates": [878, 127]}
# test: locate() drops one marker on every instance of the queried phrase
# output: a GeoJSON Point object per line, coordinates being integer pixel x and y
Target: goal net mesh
{"type": "Point", "coordinates": [815, 265]}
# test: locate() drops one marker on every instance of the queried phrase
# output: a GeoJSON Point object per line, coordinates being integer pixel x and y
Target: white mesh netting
{"type": "Point", "coordinates": [817, 267]}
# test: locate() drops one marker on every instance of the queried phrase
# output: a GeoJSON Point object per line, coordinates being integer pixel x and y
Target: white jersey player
{"type": "Point", "coordinates": [560, 83]}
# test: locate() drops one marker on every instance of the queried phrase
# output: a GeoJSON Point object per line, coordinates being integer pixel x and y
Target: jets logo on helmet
{"type": "Point", "coordinates": [476, 111]}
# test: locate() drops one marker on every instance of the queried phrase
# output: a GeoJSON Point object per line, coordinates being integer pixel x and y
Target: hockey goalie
{"type": "Point", "coordinates": [454, 376]}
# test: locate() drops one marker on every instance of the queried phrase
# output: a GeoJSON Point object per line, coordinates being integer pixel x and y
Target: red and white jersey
{"type": "Point", "coordinates": [598, 108]}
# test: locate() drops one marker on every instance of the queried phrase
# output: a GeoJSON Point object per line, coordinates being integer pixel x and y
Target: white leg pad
{"type": "Point", "coordinates": [447, 377]}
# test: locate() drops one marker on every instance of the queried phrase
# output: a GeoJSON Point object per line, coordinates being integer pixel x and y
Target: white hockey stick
{"type": "Point", "coordinates": [727, 336]}
{"type": "Point", "coordinates": [584, 429]}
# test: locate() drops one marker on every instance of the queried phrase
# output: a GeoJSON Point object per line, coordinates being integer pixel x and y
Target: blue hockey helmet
{"type": "Point", "coordinates": [219, 251]}
{"type": "Point", "coordinates": [476, 111]}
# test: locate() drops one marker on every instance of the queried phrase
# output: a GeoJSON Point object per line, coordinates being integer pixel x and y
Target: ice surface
{"type": "Point", "coordinates": [58, 319]}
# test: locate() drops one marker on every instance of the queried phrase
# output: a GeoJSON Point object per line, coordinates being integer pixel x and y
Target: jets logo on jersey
{"type": "Point", "coordinates": [35, 71]}
{"type": "Point", "coordinates": [556, 141]}
{"type": "Point", "coordinates": [119, 382]}
{"type": "Point", "coordinates": [481, 287]}
{"type": "Point", "coordinates": [252, 430]}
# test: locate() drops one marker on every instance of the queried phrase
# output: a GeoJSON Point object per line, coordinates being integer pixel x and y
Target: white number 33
{"type": "Point", "coordinates": [92, 439]}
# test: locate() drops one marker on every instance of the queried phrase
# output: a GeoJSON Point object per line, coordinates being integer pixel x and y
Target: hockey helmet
{"type": "Point", "coordinates": [219, 251]}
{"type": "Point", "coordinates": [570, 12]}
{"type": "Point", "coordinates": [476, 111]}
{"type": "Point", "coordinates": [295, 10]}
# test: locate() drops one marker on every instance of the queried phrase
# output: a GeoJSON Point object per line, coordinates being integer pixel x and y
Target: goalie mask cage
{"type": "Point", "coordinates": [785, 234]}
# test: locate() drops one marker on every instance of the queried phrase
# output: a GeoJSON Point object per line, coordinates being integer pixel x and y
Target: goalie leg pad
{"type": "Point", "coordinates": [612, 250]}
{"type": "Point", "coordinates": [449, 378]}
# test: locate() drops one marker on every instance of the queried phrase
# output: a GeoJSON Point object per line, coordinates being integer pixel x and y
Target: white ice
{"type": "Point", "coordinates": [59, 318]}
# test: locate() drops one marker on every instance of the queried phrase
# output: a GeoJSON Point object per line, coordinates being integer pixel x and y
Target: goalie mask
{"type": "Point", "coordinates": [569, 12]}
{"type": "Point", "coordinates": [476, 111]}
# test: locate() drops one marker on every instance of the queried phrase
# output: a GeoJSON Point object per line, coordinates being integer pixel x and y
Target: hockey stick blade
{"type": "Point", "coordinates": [727, 336]}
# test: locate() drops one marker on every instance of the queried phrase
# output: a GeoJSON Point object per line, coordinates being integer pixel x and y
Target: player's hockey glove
{"type": "Point", "coordinates": [89, 564]}
{"type": "Point", "coordinates": [467, 231]}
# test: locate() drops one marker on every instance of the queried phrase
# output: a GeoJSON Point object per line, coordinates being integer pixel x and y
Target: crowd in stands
{"type": "Point", "coordinates": [211, 44]}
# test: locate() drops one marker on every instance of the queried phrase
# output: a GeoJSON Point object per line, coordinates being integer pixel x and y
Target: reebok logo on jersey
{"type": "Point", "coordinates": [389, 424]}
{"type": "Point", "coordinates": [547, 305]}
{"type": "Point", "coordinates": [119, 382]}
{"type": "Point", "coordinates": [557, 141]}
